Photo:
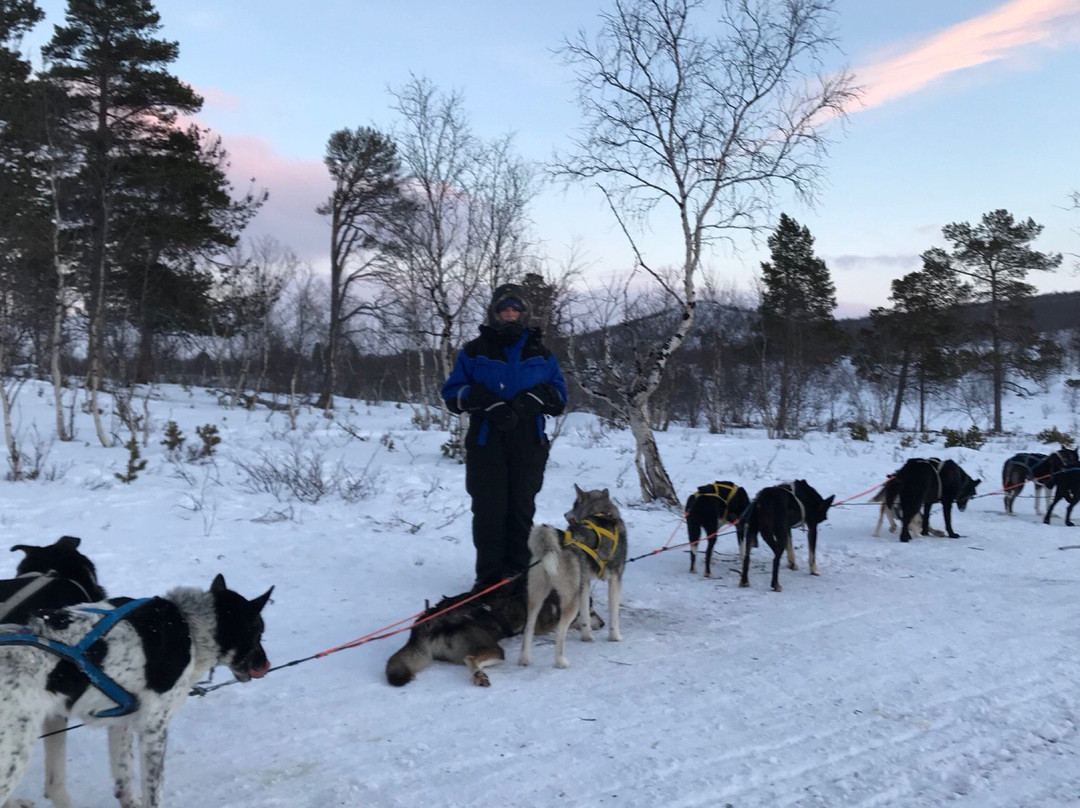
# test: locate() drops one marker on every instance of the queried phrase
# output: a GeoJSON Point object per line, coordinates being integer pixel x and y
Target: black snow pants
{"type": "Point", "coordinates": [503, 477]}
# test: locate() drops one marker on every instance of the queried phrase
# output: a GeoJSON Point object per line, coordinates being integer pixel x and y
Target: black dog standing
{"type": "Point", "coordinates": [774, 512]}
{"type": "Point", "coordinates": [921, 482]}
{"type": "Point", "coordinates": [507, 380]}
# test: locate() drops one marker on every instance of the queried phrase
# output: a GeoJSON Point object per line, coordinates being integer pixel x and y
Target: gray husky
{"type": "Point", "coordinates": [566, 561]}
{"type": "Point", "coordinates": [466, 630]}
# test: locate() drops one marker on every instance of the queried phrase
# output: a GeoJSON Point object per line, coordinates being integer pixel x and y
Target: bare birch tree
{"type": "Point", "coordinates": [703, 122]}
{"type": "Point", "coordinates": [467, 230]}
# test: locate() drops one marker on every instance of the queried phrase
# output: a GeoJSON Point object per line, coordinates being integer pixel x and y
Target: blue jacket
{"type": "Point", "coordinates": [506, 370]}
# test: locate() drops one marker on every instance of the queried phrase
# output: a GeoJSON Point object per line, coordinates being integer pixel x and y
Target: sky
{"type": "Point", "coordinates": [939, 672]}
{"type": "Point", "coordinates": [968, 106]}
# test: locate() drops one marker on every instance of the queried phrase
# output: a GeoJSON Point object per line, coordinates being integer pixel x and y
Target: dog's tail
{"type": "Point", "coordinates": [544, 545]}
{"type": "Point", "coordinates": [409, 660]}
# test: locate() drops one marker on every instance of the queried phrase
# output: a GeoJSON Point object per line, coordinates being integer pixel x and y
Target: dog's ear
{"type": "Point", "coordinates": [975, 484]}
{"type": "Point", "coordinates": [578, 492]}
{"type": "Point", "coordinates": [71, 542]}
{"type": "Point", "coordinates": [605, 494]}
{"type": "Point", "coordinates": [827, 503]}
{"type": "Point", "coordinates": [260, 601]}
{"type": "Point", "coordinates": [218, 584]}
{"type": "Point", "coordinates": [26, 548]}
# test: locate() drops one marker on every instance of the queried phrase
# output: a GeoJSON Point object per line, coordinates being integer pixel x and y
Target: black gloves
{"type": "Point", "coordinates": [543, 398]}
{"type": "Point", "coordinates": [527, 403]}
{"type": "Point", "coordinates": [501, 415]}
{"type": "Point", "coordinates": [483, 401]}
{"type": "Point", "coordinates": [480, 397]}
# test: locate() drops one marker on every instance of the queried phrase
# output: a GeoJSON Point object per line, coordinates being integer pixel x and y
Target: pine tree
{"type": "Point", "coordinates": [797, 301]}
{"type": "Point", "coordinates": [365, 169]}
{"type": "Point", "coordinates": [915, 341]}
{"type": "Point", "coordinates": [110, 59]}
{"type": "Point", "coordinates": [996, 256]}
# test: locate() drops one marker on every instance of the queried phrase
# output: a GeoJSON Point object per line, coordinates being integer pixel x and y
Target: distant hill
{"type": "Point", "coordinates": [1053, 312]}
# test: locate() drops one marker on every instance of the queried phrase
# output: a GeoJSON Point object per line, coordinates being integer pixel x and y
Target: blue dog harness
{"type": "Point", "coordinates": [125, 702]}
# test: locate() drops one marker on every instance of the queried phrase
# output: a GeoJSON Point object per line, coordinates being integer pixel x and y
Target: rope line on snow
{"type": "Point", "coordinates": [203, 689]}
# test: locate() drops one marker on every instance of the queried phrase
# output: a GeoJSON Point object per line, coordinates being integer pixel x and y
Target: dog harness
{"type": "Point", "coordinates": [37, 581]}
{"type": "Point", "coordinates": [714, 489]}
{"type": "Point", "coordinates": [790, 488]}
{"type": "Point", "coordinates": [76, 654]}
{"type": "Point", "coordinates": [601, 534]}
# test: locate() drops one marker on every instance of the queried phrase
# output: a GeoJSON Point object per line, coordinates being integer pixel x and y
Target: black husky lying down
{"type": "Point", "coordinates": [468, 634]}
{"type": "Point", "coordinates": [126, 663]}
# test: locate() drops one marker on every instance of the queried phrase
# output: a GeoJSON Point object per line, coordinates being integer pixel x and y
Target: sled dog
{"type": "Point", "coordinates": [50, 577]}
{"type": "Point", "coordinates": [775, 511]}
{"type": "Point", "coordinates": [1067, 487]}
{"type": "Point", "coordinates": [889, 497]}
{"type": "Point", "coordinates": [468, 634]}
{"type": "Point", "coordinates": [1041, 469]}
{"type": "Point", "coordinates": [706, 508]}
{"type": "Point", "coordinates": [566, 561]}
{"type": "Point", "coordinates": [921, 482]}
{"type": "Point", "coordinates": [127, 664]}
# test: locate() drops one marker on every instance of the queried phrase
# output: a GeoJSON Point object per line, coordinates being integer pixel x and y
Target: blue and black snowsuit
{"type": "Point", "coordinates": [507, 382]}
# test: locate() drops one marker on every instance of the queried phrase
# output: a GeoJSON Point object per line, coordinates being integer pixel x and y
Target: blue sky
{"type": "Point", "coordinates": [970, 105]}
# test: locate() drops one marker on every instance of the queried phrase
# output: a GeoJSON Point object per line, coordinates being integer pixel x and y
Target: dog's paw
{"type": "Point", "coordinates": [524, 661]}
{"type": "Point", "coordinates": [480, 679]}
{"type": "Point", "coordinates": [562, 662]}
{"type": "Point", "coordinates": [18, 804]}
{"type": "Point", "coordinates": [614, 636]}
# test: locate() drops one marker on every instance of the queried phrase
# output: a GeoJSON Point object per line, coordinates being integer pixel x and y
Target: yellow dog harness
{"type": "Point", "coordinates": [593, 552]}
{"type": "Point", "coordinates": [716, 488]}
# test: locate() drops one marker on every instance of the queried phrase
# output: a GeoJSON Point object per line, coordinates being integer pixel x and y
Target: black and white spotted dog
{"type": "Point", "coordinates": [50, 577]}
{"type": "Point", "coordinates": [124, 664]}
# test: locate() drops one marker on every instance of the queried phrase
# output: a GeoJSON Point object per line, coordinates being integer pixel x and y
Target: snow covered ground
{"type": "Point", "coordinates": [941, 672]}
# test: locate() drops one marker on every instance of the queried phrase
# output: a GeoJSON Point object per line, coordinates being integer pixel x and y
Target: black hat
{"type": "Point", "coordinates": [509, 295]}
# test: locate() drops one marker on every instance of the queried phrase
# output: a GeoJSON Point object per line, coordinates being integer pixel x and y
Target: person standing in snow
{"type": "Point", "coordinates": [507, 380]}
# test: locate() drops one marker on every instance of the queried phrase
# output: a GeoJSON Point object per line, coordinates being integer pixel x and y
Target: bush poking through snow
{"type": "Point", "coordinates": [1053, 435]}
{"type": "Point", "coordinates": [135, 463]}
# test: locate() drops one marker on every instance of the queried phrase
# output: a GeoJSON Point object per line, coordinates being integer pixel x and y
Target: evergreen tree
{"type": "Point", "coordinates": [176, 207]}
{"type": "Point", "coordinates": [797, 301]}
{"type": "Point", "coordinates": [365, 169]}
{"type": "Point", "coordinates": [20, 191]}
{"type": "Point", "coordinates": [915, 341]}
{"type": "Point", "coordinates": [996, 256]}
{"type": "Point", "coordinates": [114, 66]}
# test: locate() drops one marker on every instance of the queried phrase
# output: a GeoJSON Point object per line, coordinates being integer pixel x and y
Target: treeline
{"type": "Point", "coordinates": [123, 258]}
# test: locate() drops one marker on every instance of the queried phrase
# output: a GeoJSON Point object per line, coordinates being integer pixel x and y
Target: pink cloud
{"type": "Point", "coordinates": [296, 188]}
{"type": "Point", "coordinates": [1006, 32]}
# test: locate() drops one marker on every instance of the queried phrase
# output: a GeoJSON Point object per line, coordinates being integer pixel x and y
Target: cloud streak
{"type": "Point", "coordinates": [1008, 32]}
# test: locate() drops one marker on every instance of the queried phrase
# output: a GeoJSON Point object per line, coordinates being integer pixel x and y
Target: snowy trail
{"type": "Point", "coordinates": [940, 672]}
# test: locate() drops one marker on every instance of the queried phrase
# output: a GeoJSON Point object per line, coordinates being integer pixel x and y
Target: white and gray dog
{"type": "Point", "coordinates": [594, 545]}
{"type": "Point", "coordinates": [121, 663]}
